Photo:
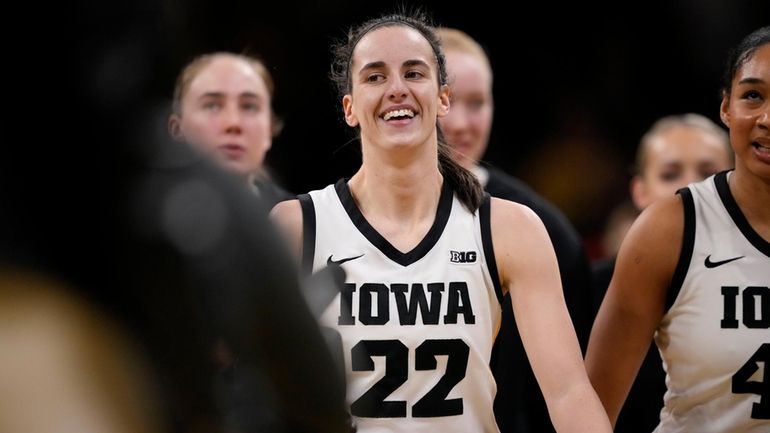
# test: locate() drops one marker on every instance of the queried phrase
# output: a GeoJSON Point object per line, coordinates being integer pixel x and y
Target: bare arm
{"type": "Point", "coordinates": [529, 271]}
{"type": "Point", "coordinates": [633, 306]}
{"type": "Point", "coordinates": [287, 216]}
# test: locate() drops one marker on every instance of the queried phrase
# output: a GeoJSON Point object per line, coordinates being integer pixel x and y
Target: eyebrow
{"type": "Point", "coordinates": [751, 80]}
{"type": "Point", "coordinates": [380, 64]}
{"type": "Point", "coordinates": [415, 63]}
{"type": "Point", "coordinates": [222, 95]}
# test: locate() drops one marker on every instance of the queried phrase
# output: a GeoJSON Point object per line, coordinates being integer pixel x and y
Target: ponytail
{"type": "Point", "coordinates": [463, 182]}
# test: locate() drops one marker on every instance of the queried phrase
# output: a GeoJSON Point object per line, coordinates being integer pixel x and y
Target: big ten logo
{"type": "Point", "coordinates": [462, 256]}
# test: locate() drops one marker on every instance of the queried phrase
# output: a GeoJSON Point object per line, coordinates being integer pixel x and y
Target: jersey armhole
{"type": "Point", "coordinates": [308, 233]}
{"type": "Point", "coordinates": [486, 241]}
{"type": "Point", "coordinates": [688, 243]}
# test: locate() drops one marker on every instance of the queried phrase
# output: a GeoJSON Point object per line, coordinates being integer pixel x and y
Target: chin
{"type": "Point", "coordinates": [233, 166]}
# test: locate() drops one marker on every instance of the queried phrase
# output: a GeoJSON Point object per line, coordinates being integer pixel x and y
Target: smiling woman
{"type": "Point", "coordinates": [413, 231]}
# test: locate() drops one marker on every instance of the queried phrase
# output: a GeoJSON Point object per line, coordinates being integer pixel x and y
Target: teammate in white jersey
{"type": "Point", "coordinates": [694, 272]}
{"type": "Point", "coordinates": [413, 230]}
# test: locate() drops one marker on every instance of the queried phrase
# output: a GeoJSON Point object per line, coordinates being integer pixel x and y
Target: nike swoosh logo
{"type": "Point", "coordinates": [331, 261]}
{"type": "Point", "coordinates": [709, 264]}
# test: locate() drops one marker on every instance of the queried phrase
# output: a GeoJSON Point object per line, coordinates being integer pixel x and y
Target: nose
{"type": "Point", "coordinates": [397, 90]}
{"type": "Point", "coordinates": [231, 118]}
{"type": "Point", "coordinates": [763, 119]}
{"type": "Point", "coordinates": [690, 176]}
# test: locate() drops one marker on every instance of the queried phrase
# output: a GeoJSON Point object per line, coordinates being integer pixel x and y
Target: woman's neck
{"type": "Point", "coordinates": [400, 206]}
{"type": "Point", "coordinates": [752, 194]}
{"type": "Point", "coordinates": [408, 195]}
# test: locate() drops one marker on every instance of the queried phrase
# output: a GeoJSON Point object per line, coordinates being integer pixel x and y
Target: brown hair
{"type": "Point", "coordinates": [463, 182]}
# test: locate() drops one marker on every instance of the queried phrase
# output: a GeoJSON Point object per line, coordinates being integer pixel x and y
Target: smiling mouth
{"type": "Point", "coordinates": [401, 114]}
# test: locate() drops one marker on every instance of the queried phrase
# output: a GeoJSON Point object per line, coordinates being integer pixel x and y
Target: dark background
{"type": "Point", "coordinates": [576, 84]}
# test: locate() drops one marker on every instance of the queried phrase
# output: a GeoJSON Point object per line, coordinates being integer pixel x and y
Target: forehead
{"type": "Point", "coordinates": [226, 74]}
{"type": "Point", "coordinates": [467, 70]}
{"type": "Point", "coordinates": [757, 66]}
{"type": "Point", "coordinates": [392, 44]}
{"type": "Point", "coordinates": [684, 142]}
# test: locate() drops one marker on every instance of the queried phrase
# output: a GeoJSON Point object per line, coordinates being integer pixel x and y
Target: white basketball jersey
{"type": "Point", "coordinates": [417, 328]}
{"type": "Point", "coordinates": [715, 337]}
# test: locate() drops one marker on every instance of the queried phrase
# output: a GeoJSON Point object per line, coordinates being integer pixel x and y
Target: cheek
{"type": "Point", "coordinates": [483, 122]}
{"type": "Point", "coordinates": [260, 131]}
{"type": "Point", "coordinates": [480, 124]}
{"type": "Point", "coordinates": [659, 189]}
{"type": "Point", "coordinates": [197, 123]}
{"type": "Point", "coordinates": [450, 120]}
{"type": "Point", "coordinates": [199, 132]}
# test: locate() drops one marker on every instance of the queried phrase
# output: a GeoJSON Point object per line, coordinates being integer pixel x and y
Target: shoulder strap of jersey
{"type": "Point", "coordinates": [308, 233]}
{"type": "Point", "coordinates": [486, 241]}
{"type": "Point", "coordinates": [688, 243]}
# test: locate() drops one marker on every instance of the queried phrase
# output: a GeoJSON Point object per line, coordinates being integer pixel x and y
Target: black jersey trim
{"type": "Point", "coordinates": [308, 233]}
{"type": "Point", "coordinates": [688, 244]}
{"type": "Point", "coordinates": [419, 251]}
{"type": "Point", "coordinates": [723, 188]}
{"type": "Point", "coordinates": [485, 220]}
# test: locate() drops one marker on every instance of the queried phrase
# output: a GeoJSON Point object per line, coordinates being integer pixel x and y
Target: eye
{"type": "Point", "coordinates": [251, 106]}
{"type": "Point", "coordinates": [475, 104]}
{"type": "Point", "coordinates": [707, 172]}
{"type": "Point", "coordinates": [670, 176]}
{"type": "Point", "coordinates": [212, 105]}
{"type": "Point", "coordinates": [374, 78]}
{"type": "Point", "coordinates": [752, 95]}
{"type": "Point", "coordinates": [413, 74]}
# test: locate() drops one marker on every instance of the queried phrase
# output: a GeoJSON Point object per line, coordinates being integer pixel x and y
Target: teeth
{"type": "Point", "coordinates": [398, 113]}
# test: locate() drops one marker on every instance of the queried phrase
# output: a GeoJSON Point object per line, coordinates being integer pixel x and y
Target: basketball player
{"type": "Point", "coordinates": [694, 272]}
{"type": "Point", "coordinates": [413, 230]}
{"type": "Point", "coordinates": [676, 151]}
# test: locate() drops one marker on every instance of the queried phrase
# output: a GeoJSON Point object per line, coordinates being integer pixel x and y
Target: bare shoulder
{"type": "Point", "coordinates": [287, 216]}
{"type": "Point", "coordinates": [648, 257]}
{"type": "Point", "coordinates": [287, 210]}
{"type": "Point", "coordinates": [507, 215]}
{"type": "Point", "coordinates": [655, 238]}
{"type": "Point", "coordinates": [520, 241]}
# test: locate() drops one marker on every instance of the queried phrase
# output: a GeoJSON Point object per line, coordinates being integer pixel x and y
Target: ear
{"type": "Point", "coordinates": [724, 110]}
{"type": "Point", "coordinates": [174, 127]}
{"type": "Point", "coordinates": [639, 193]}
{"type": "Point", "coordinates": [443, 101]}
{"type": "Point", "coordinates": [347, 108]}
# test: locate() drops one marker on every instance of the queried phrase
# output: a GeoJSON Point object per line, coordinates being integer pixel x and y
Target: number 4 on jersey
{"type": "Point", "coordinates": [742, 384]}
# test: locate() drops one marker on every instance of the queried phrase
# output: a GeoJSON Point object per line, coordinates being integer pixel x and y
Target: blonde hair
{"type": "Point", "coordinates": [193, 68]}
{"type": "Point", "coordinates": [688, 120]}
{"type": "Point", "coordinates": [459, 41]}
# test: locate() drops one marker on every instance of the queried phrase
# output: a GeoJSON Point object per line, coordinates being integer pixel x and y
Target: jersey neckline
{"type": "Point", "coordinates": [723, 188]}
{"type": "Point", "coordinates": [421, 249]}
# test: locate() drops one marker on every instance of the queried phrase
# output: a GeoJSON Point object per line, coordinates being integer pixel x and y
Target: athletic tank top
{"type": "Point", "coordinates": [417, 328]}
{"type": "Point", "coordinates": [715, 336]}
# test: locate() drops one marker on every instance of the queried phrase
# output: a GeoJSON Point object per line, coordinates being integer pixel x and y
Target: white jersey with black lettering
{"type": "Point", "coordinates": [715, 336]}
{"type": "Point", "coordinates": [417, 328]}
